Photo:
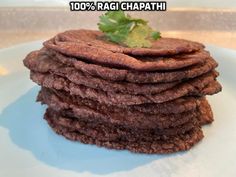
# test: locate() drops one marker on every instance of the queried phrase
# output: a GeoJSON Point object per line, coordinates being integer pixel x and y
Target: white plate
{"type": "Point", "coordinates": [28, 147]}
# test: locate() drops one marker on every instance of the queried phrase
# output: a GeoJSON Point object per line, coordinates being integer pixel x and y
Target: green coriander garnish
{"type": "Point", "coordinates": [123, 29]}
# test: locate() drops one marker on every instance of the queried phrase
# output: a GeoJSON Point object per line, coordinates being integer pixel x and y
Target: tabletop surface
{"type": "Point", "coordinates": [209, 26]}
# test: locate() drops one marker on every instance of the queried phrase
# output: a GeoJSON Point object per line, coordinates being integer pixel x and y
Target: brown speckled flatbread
{"type": "Point", "coordinates": [77, 40]}
{"type": "Point", "coordinates": [116, 132]}
{"type": "Point", "coordinates": [41, 61]}
{"type": "Point", "coordinates": [205, 112]}
{"type": "Point", "coordinates": [179, 105]}
{"type": "Point", "coordinates": [197, 87]}
{"type": "Point", "coordinates": [88, 110]}
{"type": "Point", "coordinates": [105, 57]}
{"type": "Point", "coordinates": [48, 65]}
{"type": "Point", "coordinates": [166, 144]}
{"type": "Point", "coordinates": [103, 113]}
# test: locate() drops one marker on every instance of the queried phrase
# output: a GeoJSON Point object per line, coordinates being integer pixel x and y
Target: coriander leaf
{"type": "Point", "coordinates": [137, 20]}
{"type": "Point", "coordinates": [138, 36]}
{"type": "Point", "coordinates": [156, 35]}
{"type": "Point", "coordinates": [115, 25]}
{"type": "Point", "coordinates": [125, 30]}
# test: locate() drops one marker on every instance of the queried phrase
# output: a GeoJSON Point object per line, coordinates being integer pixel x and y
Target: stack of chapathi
{"type": "Point", "coordinates": [146, 100]}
